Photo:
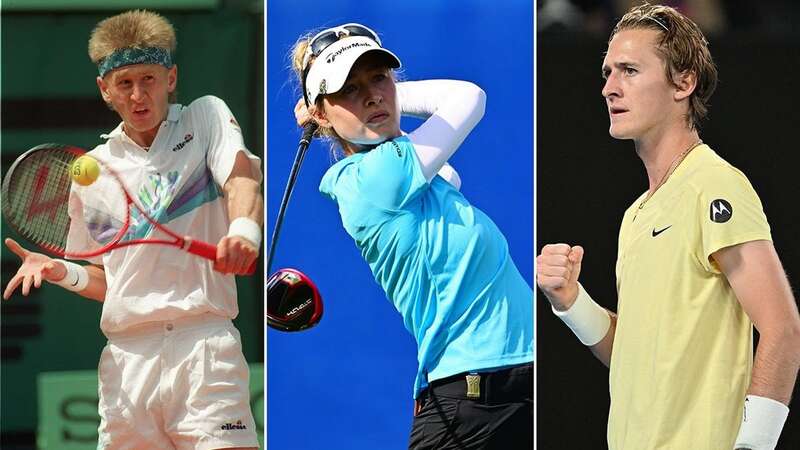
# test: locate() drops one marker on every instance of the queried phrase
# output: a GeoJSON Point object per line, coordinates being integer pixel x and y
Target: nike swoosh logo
{"type": "Point", "coordinates": [656, 233]}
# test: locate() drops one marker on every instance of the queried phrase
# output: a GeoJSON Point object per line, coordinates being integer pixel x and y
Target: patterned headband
{"type": "Point", "coordinates": [130, 56]}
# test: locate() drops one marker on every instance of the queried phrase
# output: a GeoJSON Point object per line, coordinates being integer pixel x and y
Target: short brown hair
{"type": "Point", "coordinates": [682, 46]}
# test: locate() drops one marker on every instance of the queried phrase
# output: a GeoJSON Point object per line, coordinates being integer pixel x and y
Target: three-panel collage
{"type": "Point", "coordinates": [342, 225]}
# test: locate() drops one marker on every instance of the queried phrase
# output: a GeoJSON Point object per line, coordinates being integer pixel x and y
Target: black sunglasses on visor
{"type": "Point", "coordinates": [326, 38]}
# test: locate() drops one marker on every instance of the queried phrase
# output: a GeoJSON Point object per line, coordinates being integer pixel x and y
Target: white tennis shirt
{"type": "Point", "coordinates": [178, 181]}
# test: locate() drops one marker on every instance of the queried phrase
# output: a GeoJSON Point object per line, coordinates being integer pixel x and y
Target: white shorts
{"type": "Point", "coordinates": [181, 384]}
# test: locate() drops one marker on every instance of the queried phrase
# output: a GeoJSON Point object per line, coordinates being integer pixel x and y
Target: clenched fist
{"type": "Point", "coordinates": [557, 270]}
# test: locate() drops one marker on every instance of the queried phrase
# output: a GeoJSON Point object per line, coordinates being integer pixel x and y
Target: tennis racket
{"type": "Point", "coordinates": [42, 203]}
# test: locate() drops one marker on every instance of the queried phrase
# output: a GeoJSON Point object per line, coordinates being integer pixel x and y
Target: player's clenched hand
{"type": "Point", "coordinates": [557, 270]}
{"type": "Point", "coordinates": [235, 254]}
{"type": "Point", "coordinates": [34, 268]}
{"type": "Point", "coordinates": [301, 113]}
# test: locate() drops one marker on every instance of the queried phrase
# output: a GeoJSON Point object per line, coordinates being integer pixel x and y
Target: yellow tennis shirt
{"type": "Point", "coordinates": [682, 354]}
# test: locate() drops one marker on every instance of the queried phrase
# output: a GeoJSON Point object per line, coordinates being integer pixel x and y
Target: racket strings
{"type": "Point", "coordinates": [37, 198]}
{"type": "Point", "coordinates": [56, 225]}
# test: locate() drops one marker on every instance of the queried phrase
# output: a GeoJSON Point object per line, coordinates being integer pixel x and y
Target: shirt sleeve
{"type": "Point", "coordinates": [79, 237]}
{"type": "Point", "coordinates": [451, 108]}
{"type": "Point", "coordinates": [390, 176]}
{"type": "Point", "coordinates": [729, 211]}
{"type": "Point", "coordinates": [225, 139]}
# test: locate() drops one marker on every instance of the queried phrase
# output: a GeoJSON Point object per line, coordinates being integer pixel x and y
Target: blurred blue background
{"type": "Point", "coordinates": [347, 384]}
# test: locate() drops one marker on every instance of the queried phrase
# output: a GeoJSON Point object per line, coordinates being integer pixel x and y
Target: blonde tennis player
{"type": "Point", "coordinates": [696, 267]}
{"type": "Point", "coordinates": [172, 375]}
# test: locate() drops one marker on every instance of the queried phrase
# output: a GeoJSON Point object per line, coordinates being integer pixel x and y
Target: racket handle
{"type": "Point", "coordinates": [204, 249]}
{"type": "Point", "coordinates": [252, 269]}
{"type": "Point", "coordinates": [209, 251]}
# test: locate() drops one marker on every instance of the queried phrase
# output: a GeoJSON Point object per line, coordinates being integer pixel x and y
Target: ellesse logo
{"type": "Point", "coordinates": [186, 139]}
{"type": "Point", "coordinates": [234, 426]}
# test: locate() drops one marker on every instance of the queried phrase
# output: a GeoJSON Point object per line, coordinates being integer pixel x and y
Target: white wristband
{"type": "Point", "coordinates": [762, 423]}
{"type": "Point", "coordinates": [588, 320]}
{"type": "Point", "coordinates": [76, 279]}
{"type": "Point", "coordinates": [246, 228]}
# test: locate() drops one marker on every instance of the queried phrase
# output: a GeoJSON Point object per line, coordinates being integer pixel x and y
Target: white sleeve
{"type": "Point", "coordinates": [225, 139]}
{"type": "Point", "coordinates": [450, 175]}
{"type": "Point", "coordinates": [452, 109]}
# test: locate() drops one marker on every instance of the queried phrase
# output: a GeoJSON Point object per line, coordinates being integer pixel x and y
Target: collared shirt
{"type": "Point", "coordinates": [178, 181]}
{"type": "Point", "coordinates": [683, 344]}
{"type": "Point", "coordinates": [442, 262]}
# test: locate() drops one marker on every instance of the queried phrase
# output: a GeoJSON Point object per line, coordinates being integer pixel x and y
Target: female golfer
{"type": "Point", "coordinates": [442, 262]}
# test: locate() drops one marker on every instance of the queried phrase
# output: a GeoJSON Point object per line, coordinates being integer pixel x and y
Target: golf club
{"type": "Point", "coordinates": [293, 301]}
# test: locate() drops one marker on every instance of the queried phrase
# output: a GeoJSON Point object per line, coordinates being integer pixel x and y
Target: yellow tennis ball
{"type": "Point", "coordinates": [85, 170]}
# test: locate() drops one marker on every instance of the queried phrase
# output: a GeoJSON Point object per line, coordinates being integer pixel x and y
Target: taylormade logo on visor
{"type": "Point", "coordinates": [332, 56]}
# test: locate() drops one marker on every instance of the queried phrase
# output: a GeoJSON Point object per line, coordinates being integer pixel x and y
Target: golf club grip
{"type": "Point", "coordinates": [209, 252]}
{"type": "Point", "coordinates": [308, 133]}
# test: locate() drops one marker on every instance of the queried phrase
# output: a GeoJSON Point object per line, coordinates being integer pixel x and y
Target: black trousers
{"type": "Point", "coordinates": [501, 417]}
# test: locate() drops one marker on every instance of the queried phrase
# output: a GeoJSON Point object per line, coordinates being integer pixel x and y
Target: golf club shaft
{"type": "Point", "coordinates": [308, 134]}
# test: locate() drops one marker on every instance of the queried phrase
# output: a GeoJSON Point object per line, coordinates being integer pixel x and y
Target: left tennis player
{"type": "Point", "coordinates": [172, 375]}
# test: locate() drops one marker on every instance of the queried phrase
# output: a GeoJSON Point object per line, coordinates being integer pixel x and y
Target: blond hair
{"type": "Point", "coordinates": [683, 48]}
{"type": "Point", "coordinates": [132, 29]}
{"type": "Point", "coordinates": [297, 56]}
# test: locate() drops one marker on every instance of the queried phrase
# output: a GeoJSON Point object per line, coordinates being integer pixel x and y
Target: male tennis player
{"type": "Point", "coordinates": [173, 375]}
{"type": "Point", "coordinates": [696, 267]}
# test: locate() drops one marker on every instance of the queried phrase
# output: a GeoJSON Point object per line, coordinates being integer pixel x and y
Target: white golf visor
{"type": "Point", "coordinates": [329, 71]}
